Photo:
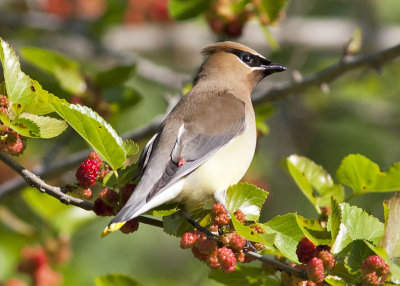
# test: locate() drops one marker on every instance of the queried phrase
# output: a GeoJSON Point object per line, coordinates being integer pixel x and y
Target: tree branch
{"type": "Point", "coordinates": [34, 181]}
{"type": "Point", "coordinates": [346, 64]}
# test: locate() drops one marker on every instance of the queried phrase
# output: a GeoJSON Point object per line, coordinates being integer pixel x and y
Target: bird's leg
{"type": "Point", "coordinates": [249, 247]}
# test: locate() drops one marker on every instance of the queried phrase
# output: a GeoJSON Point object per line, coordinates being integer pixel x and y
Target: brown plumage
{"type": "Point", "coordinates": [208, 140]}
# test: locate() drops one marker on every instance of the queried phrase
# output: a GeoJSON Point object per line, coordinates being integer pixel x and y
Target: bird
{"type": "Point", "coordinates": [208, 140]}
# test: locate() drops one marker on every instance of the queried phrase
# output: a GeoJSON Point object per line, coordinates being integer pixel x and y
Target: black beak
{"type": "Point", "coordinates": [270, 67]}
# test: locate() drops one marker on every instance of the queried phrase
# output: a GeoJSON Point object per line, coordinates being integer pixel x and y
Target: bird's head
{"type": "Point", "coordinates": [234, 62]}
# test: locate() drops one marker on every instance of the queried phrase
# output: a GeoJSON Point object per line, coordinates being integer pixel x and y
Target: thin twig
{"type": "Point", "coordinates": [34, 181]}
{"type": "Point", "coordinates": [279, 265]}
{"type": "Point", "coordinates": [374, 60]}
{"type": "Point", "coordinates": [57, 192]}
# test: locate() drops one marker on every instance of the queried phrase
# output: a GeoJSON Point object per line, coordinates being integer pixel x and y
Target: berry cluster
{"type": "Point", "coordinates": [223, 19]}
{"type": "Point", "coordinates": [37, 261]}
{"type": "Point", "coordinates": [11, 142]}
{"type": "Point", "coordinates": [139, 11]}
{"type": "Point", "coordinates": [88, 172]}
{"type": "Point", "coordinates": [65, 9]}
{"type": "Point", "coordinates": [374, 271]}
{"type": "Point", "coordinates": [316, 260]}
{"type": "Point", "coordinates": [224, 251]}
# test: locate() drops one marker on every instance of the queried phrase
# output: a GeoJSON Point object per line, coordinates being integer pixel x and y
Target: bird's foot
{"type": "Point", "coordinates": [249, 247]}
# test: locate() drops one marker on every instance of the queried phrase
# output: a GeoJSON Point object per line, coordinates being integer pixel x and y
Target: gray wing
{"type": "Point", "coordinates": [194, 131]}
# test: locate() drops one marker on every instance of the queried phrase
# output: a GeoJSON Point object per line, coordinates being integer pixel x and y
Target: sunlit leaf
{"type": "Point", "coordinates": [130, 147]}
{"type": "Point", "coordinates": [115, 76]}
{"type": "Point", "coordinates": [355, 223]}
{"type": "Point", "coordinates": [244, 275]}
{"type": "Point", "coordinates": [364, 176]}
{"type": "Point", "coordinates": [315, 183]}
{"type": "Point", "coordinates": [65, 70]}
{"type": "Point", "coordinates": [95, 130]}
{"type": "Point", "coordinates": [246, 197]}
{"type": "Point", "coordinates": [116, 280]}
{"type": "Point", "coordinates": [19, 86]}
{"type": "Point", "coordinates": [391, 238]}
{"type": "Point", "coordinates": [186, 9]}
{"type": "Point", "coordinates": [48, 127]}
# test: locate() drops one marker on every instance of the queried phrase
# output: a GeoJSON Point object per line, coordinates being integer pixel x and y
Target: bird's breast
{"type": "Point", "coordinates": [226, 167]}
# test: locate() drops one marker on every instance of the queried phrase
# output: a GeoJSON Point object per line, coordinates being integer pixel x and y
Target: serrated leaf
{"type": "Point", "coordinates": [288, 234]}
{"type": "Point", "coordinates": [130, 147]}
{"type": "Point", "coordinates": [40, 105]}
{"type": "Point", "coordinates": [273, 7]}
{"type": "Point", "coordinates": [314, 231]}
{"type": "Point", "coordinates": [125, 176]}
{"type": "Point", "coordinates": [116, 280]}
{"type": "Point", "coordinates": [95, 130]}
{"type": "Point", "coordinates": [359, 251]}
{"type": "Point", "coordinates": [315, 183]}
{"type": "Point", "coordinates": [48, 127]}
{"type": "Point", "coordinates": [364, 176]}
{"type": "Point", "coordinates": [335, 281]}
{"type": "Point", "coordinates": [247, 232]}
{"type": "Point", "coordinates": [115, 76]}
{"type": "Point", "coordinates": [341, 271]}
{"type": "Point", "coordinates": [391, 238]}
{"type": "Point", "coordinates": [263, 112]}
{"type": "Point", "coordinates": [25, 127]}
{"type": "Point", "coordinates": [65, 70]}
{"type": "Point", "coordinates": [18, 84]}
{"type": "Point", "coordinates": [246, 197]}
{"type": "Point", "coordinates": [355, 224]}
{"type": "Point", "coordinates": [394, 264]}
{"type": "Point", "coordinates": [186, 9]}
{"type": "Point", "coordinates": [244, 275]}
{"type": "Point", "coordinates": [177, 225]}
{"type": "Point", "coordinates": [164, 210]}
{"type": "Point", "coordinates": [335, 219]}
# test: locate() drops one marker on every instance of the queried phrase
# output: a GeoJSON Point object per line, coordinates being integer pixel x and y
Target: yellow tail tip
{"type": "Point", "coordinates": [112, 227]}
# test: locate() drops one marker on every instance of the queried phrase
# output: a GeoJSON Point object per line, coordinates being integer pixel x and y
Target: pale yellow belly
{"type": "Point", "coordinates": [226, 167]}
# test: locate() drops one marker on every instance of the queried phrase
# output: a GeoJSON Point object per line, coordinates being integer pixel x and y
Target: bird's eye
{"type": "Point", "coordinates": [247, 58]}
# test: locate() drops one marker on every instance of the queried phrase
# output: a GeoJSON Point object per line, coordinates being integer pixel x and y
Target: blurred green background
{"type": "Point", "coordinates": [358, 113]}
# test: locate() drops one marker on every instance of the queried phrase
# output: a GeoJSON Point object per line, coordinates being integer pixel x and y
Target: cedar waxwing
{"type": "Point", "coordinates": [208, 140]}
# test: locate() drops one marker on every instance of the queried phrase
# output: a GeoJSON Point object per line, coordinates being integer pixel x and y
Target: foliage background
{"type": "Point", "coordinates": [359, 114]}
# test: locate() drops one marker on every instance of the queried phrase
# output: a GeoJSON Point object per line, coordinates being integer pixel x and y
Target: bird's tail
{"type": "Point", "coordinates": [112, 227]}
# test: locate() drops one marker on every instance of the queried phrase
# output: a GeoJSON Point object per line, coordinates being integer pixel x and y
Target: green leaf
{"type": "Point", "coordinates": [244, 275]}
{"type": "Point", "coordinates": [248, 232]}
{"type": "Point", "coordinates": [314, 231]}
{"type": "Point", "coordinates": [186, 9]}
{"type": "Point", "coordinates": [315, 183]}
{"type": "Point", "coordinates": [273, 7]}
{"type": "Point", "coordinates": [115, 76]}
{"type": "Point", "coordinates": [18, 85]}
{"type": "Point", "coordinates": [391, 238]}
{"type": "Point", "coordinates": [341, 271]}
{"type": "Point", "coordinates": [246, 197]}
{"type": "Point", "coordinates": [25, 127]}
{"type": "Point", "coordinates": [288, 234]}
{"type": "Point", "coordinates": [394, 265]}
{"type": "Point", "coordinates": [364, 176]}
{"type": "Point", "coordinates": [355, 223]}
{"type": "Point", "coordinates": [122, 98]}
{"type": "Point", "coordinates": [335, 281]}
{"type": "Point", "coordinates": [41, 103]}
{"type": "Point", "coordinates": [49, 127]}
{"type": "Point", "coordinates": [95, 130]}
{"type": "Point", "coordinates": [130, 147]}
{"type": "Point", "coordinates": [65, 70]}
{"type": "Point", "coordinates": [164, 210]}
{"type": "Point", "coordinates": [177, 225]}
{"type": "Point", "coordinates": [125, 176]}
{"type": "Point", "coordinates": [359, 251]}
{"type": "Point", "coordinates": [116, 280]}
{"type": "Point", "coordinates": [263, 112]}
